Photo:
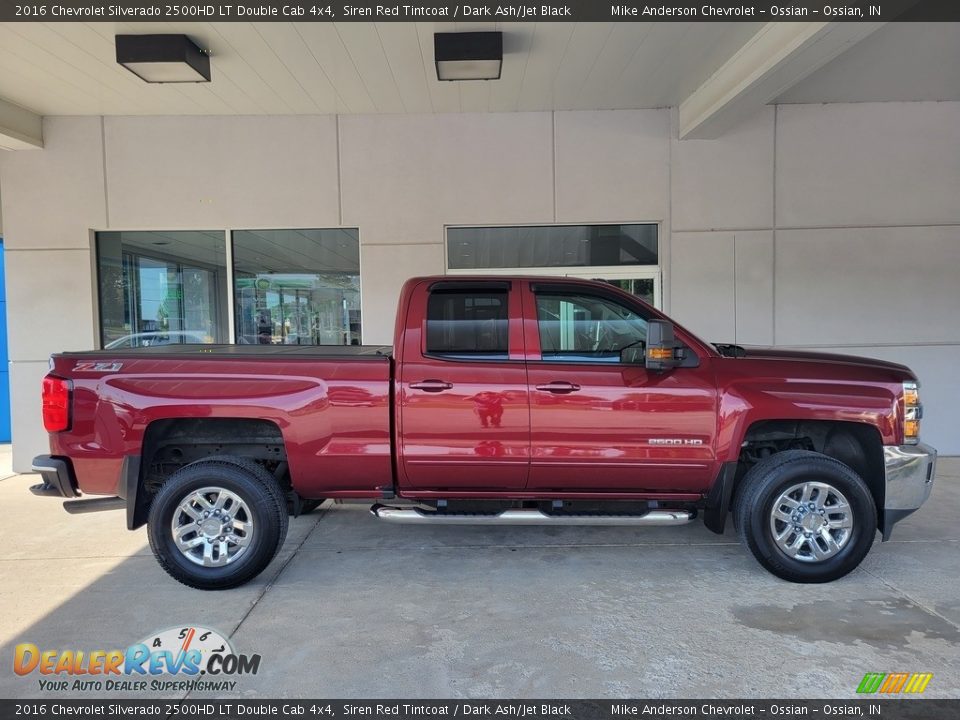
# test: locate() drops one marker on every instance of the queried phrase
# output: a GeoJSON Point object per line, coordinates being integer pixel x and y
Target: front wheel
{"type": "Point", "coordinates": [805, 517]}
{"type": "Point", "coordinates": [216, 524]}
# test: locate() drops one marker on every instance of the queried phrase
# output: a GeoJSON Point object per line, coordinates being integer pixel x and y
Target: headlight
{"type": "Point", "coordinates": [912, 413]}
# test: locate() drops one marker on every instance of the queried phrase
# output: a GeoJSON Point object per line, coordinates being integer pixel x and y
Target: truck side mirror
{"type": "Point", "coordinates": [661, 346]}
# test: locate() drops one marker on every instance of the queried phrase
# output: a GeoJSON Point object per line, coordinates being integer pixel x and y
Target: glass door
{"type": "Point", "coordinates": [645, 286]}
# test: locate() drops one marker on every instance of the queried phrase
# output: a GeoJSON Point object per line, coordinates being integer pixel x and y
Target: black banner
{"type": "Point", "coordinates": [878, 708]}
{"type": "Point", "coordinates": [432, 10]}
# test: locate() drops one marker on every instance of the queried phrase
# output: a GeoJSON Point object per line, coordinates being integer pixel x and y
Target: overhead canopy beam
{"type": "Point", "coordinates": [19, 129]}
{"type": "Point", "coordinates": [776, 58]}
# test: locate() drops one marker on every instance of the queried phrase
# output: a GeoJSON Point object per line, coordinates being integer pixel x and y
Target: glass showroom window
{"type": "Point", "coordinates": [161, 288]}
{"type": "Point", "coordinates": [625, 255]}
{"type": "Point", "coordinates": [297, 287]}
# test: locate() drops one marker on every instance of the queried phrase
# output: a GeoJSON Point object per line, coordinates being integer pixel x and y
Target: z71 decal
{"type": "Point", "coordinates": [97, 367]}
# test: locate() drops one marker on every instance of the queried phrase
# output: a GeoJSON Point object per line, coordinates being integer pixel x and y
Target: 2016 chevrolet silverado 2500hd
{"type": "Point", "coordinates": [504, 400]}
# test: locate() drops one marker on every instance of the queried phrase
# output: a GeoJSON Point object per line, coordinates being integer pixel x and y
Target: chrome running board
{"type": "Point", "coordinates": [418, 516]}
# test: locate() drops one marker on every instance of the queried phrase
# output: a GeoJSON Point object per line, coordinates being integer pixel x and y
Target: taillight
{"type": "Point", "coordinates": [912, 413]}
{"type": "Point", "coordinates": [56, 403]}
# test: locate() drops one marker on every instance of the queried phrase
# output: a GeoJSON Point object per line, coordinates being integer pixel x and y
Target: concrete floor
{"type": "Point", "coordinates": [352, 608]}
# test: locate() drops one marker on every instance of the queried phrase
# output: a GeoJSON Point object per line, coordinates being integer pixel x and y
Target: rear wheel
{"type": "Point", "coordinates": [217, 523]}
{"type": "Point", "coordinates": [805, 516]}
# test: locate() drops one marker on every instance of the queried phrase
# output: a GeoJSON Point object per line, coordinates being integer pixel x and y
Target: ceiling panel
{"type": "Point", "coordinates": [656, 56]}
{"type": "Point", "coordinates": [618, 51]}
{"type": "Point", "coordinates": [263, 83]}
{"type": "Point", "coordinates": [401, 44]}
{"type": "Point", "coordinates": [263, 61]}
{"type": "Point", "coordinates": [505, 92]}
{"type": "Point", "coordinates": [548, 45]}
{"type": "Point", "coordinates": [362, 42]}
{"type": "Point", "coordinates": [43, 50]}
{"type": "Point", "coordinates": [899, 62]}
{"type": "Point", "coordinates": [20, 81]}
{"type": "Point", "coordinates": [317, 68]}
{"type": "Point", "coordinates": [584, 49]}
{"type": "Point", "coordinates": [333, 60]}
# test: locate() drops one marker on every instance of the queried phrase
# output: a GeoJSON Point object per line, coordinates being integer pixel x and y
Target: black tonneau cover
{"type": "Point", "coordinates": [305, 352]}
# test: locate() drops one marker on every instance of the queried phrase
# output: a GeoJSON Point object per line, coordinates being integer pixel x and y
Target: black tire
{"type": "Point", "coordinates": [306, 506]}
{"type": "Point", "coordinates": [264, 475]}
{"type": "Point", "coordinates": [764, 484]}
{"type": "Point", "coordinates": [254, 486]}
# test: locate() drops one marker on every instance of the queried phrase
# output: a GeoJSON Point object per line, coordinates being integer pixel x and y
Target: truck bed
{"type": "Point", "coordinates": [329, 407]}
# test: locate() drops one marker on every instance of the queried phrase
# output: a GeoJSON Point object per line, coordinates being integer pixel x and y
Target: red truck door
{"type": "Point", "coordinates": [463, 417]}
{"type": "Point", "coordinates": [600, 425]}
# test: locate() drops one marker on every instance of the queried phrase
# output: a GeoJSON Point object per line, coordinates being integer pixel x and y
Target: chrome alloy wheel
{"type": "Point", "coordinates": [811, 521]}
{"type": "Point", "coordinates": [212, 527]}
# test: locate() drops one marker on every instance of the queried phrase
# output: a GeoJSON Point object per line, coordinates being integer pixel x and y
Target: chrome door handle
{"type": "Point", "coordinates": [559, 387]}
{"type": "Point", "coordinates": [431, 385]}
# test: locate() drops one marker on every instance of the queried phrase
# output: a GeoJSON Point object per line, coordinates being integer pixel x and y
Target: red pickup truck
{"type": "Point", "coordinates": [545, 401]}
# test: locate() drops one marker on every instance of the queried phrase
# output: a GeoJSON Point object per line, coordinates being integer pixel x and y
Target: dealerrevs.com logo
{"type": "Point", "coordinates": [175, 659]}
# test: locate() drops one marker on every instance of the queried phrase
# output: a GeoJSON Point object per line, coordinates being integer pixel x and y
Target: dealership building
{"type": "Point", "coordinates": [791, 184]}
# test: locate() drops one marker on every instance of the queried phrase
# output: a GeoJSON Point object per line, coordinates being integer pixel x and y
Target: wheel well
{"type": "Point", "coordinates": [168, 445]}
{"type": "Point", "coordinates": [855, 444]}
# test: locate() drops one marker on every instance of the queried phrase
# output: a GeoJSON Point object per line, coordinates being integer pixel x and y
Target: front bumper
{"type": "Point", "coordinates": [909, 472]}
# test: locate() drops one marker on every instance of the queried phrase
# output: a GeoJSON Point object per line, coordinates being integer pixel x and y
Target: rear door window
{"type": "Point", "coordinates": [468, 325]}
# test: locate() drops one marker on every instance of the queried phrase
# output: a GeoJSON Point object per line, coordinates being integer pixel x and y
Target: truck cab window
{"type": "Point", "coordinates": [586, 328]}
{"type": "Point", "coordinates": [468, 325]}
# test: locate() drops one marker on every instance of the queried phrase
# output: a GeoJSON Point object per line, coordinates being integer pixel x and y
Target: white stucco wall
{"type": "Point", "coordinates": [834, 226]}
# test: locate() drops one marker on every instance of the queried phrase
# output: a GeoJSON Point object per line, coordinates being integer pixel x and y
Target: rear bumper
{"type": "Point", "coordinates": [58, 477]}
{"type": "Point", "coordinates": [59, 480]}
{"type": "Point", "coordinates": [909, 473]}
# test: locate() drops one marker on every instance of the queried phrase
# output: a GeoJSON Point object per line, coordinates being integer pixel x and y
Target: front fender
{"type": "Point", "coordinates": [744, 402]}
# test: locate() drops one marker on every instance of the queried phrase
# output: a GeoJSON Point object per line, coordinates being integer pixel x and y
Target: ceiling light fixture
{"type": "Point", "coordinates": [163, 58]}
{"type": "Point", "coordinates": [468, 55]}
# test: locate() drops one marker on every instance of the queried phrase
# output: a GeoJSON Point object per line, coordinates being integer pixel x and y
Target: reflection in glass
{"type": "Point", "coordinates": [161, 288]}
{"type": "Point", "coordinates": [543, 246]}
{"type": "Point", "coordinates": [297, 287]}
{"type": "Point", "coordinates": [467, 325]}
{"type": "Point", "coordinates": [641, 287]}
{"type": "Point", "coordinates": [585, 328]}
